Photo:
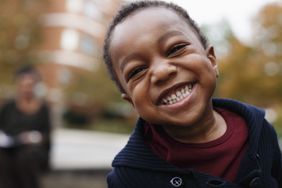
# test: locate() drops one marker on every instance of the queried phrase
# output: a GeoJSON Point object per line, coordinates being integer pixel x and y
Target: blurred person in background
{"type": "Point", "coordinates": [24, 133]}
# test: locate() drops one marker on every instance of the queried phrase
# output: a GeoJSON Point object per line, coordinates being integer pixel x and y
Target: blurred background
{"type": "Point", "coordinates": [64, 39]}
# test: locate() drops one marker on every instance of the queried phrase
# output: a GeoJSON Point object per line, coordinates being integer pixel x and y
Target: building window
{"type": "Point", "coordinates": [74, 6]}
{"type": "Point", "coordinates": [91, 9]}
{"type": "Point", "coordinates": [69, 39]}
{"type": "Point", "coordinates": [87, 45]}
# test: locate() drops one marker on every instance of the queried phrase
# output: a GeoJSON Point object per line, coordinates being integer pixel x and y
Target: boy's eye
{"type": "Point", "coordinates": [134, 72]}
{"type": "Point", "coordinates": [176, 49]}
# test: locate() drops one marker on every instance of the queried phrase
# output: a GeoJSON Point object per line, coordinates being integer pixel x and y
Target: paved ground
{"type": "Point", "coordinates": [75, 179]}
{"type": "Point", "coordinates": [81, 159]}
{"type": "Point", "coordinates": [77, 149]}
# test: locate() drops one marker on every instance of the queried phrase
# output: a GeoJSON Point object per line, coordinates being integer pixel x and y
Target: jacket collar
{"type": "Point", "coordinates": [254, 117]}
{"type": "Point", "coordinates": [138, 154]}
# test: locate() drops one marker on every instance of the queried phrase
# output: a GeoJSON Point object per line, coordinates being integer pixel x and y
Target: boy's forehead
{"type": "Point", "coordinates": [145, 20]}
{"type": "Point", "coordinates": [154, 15]}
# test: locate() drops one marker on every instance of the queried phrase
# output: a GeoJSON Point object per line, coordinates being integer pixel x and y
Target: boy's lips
{"type": "Point", "coordinates": [176, 93]}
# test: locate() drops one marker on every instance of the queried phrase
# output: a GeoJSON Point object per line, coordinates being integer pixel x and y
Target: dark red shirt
{"type": "Point", "coordinates": [220, 157]}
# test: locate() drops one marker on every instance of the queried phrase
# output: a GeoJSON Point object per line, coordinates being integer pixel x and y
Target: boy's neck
{"type": "Point", "coordinates": [213, 127]}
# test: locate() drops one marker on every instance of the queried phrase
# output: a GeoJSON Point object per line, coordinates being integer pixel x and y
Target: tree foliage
{"type": "Point", "coordinates": [20, 33]}
{"type": "Point", "coordinates": [95, 87]}
{"type": "Point", "coordinates": [254, 73]}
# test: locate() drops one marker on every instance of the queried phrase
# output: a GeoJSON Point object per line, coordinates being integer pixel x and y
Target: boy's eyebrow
{"type": "Point", "coordinates": [126, 59]}
{"type": "Point", "coordinates": [169, 34]}
{"type": "Point", "coordinates": [159, 41]}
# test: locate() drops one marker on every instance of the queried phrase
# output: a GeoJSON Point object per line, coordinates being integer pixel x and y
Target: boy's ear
{"type": "Point", "coordinates": [211, 55]}
{"type": "Point", "coordinates": [127, 98]}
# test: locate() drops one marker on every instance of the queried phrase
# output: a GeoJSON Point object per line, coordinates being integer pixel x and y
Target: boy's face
{"type": "Point", "coordinates": [166, 73]}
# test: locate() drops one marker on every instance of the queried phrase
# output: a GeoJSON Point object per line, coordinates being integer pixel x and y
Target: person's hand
{"type": "Point", "coordinates": [5, 140]}
{"type": "Point", "coordinates": [30, 137]}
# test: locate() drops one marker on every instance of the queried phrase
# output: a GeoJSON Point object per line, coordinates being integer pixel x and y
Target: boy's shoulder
{"type": "Point", "coordinates": [253, 115]}
{"type": "Point", "coordinates": [241, 108]}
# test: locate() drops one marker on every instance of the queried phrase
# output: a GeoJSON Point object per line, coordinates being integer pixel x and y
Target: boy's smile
{"type": "Point", "coordinates": [175, 95]}
{"type": "Point", "coordinates": [164, 69]}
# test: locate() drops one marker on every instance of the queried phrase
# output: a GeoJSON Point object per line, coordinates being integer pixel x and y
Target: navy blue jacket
{"type": "Point", "coordinates": [136, 166]}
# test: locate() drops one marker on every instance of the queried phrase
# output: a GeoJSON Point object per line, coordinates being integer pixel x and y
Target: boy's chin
{"type": "Point", "coordinates": [175, 123]}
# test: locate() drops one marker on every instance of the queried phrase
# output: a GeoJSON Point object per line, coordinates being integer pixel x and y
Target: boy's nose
{"type": "Point", "coordinates": [162, 73]}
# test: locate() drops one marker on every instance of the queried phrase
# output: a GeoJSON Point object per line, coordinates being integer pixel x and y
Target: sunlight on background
{"type": "Point", "coordinates": [238, 13]}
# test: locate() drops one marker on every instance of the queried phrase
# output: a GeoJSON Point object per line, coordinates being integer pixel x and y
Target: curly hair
{"type": "Point", "coordinates": [131, 8]}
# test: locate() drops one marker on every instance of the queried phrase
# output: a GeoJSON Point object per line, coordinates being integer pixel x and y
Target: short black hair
{"type": "Point", "coordinates": [128, 10]}
{"type": "Point", "coordinates": [27, 69]}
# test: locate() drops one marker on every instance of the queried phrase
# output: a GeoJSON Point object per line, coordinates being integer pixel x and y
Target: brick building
{"type": "Point", "coordinates": [73, 32]}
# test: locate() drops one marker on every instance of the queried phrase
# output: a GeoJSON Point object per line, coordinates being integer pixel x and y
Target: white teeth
{"type": "Point", "coordinates": [178, 95]}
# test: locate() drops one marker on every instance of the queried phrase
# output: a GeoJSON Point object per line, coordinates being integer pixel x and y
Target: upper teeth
{"type": "Point", "coordinates": [178, 95]}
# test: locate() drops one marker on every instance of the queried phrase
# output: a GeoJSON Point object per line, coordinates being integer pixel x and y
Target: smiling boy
{"type": "Point", "coordinates": [165, 68]}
